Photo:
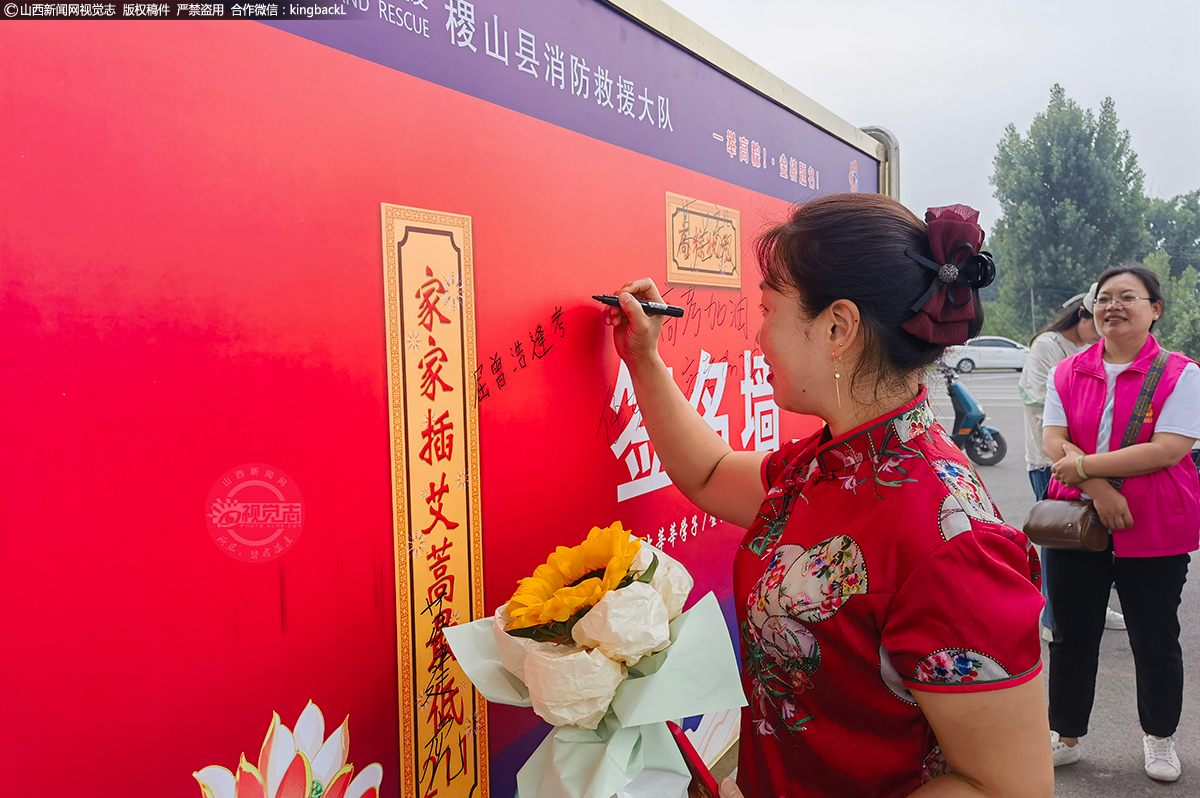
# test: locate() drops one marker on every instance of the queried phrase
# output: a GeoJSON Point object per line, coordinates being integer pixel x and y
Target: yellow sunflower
{"type": "Point", "coordinates": [572, 578]}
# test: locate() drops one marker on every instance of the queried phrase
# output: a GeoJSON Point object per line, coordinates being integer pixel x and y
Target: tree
{"type": "Point", "coordinates": [1179, 328]}
{"type": "Point", "coordinates": [1174, 225]}
{"type": "Point", "coordinates": [1071, 204]}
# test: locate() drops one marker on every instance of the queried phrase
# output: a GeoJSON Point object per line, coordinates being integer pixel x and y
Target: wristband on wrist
{"type": "Point", "coordinates": [1079, 467]}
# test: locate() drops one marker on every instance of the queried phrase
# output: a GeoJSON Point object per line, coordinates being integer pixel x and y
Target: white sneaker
{"type": "Point", "coordinates": [1162, 763]}
{"type": "Point", "coordinates": [1070, 754]}
{"type": "Point", "coordinates": [1114, 620]}
{"type": "Point", "coordinates": [1047, 635]}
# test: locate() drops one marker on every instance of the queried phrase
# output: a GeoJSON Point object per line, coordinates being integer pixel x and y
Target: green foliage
{"type": "Point", "coordinates": [648, 574]}
{"type": "Point", "coordinates": [1070, 193]}
{"type": "Point", "coordinates": [1159, 262]}
{"type": "Point", "coordinates": [1174, 225]}
{"type": "Point", "coordinates": [554, 632]}
{"type": "Point", "coordinates": [1179, 327]}
{"type": "Point", "coordinates": [999, 319]}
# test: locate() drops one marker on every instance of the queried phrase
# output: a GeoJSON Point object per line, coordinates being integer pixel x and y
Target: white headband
{"type": "Point", "coordinates": [1089, 299]}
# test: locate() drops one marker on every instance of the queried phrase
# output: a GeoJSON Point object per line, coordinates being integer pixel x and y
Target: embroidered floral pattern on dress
{"type": "Point", "coordinates": [915, 423]}
{"type": "Point", "coordinates": [774, 525]}
{"type": "Point", "coordinates": [883, 448]}
{"type": "Point", "coordinates": [799, 586]}
{"type": "Point", "coordinates": [823, 579]}
{"type": "Point", "coordinates": [964, 484]}
{"type": "Point", "coordinates": [934, 765]}
{"type": "Point", "coordinates": [781, 656]}
{"type": "Point", "coordinates": [852, 460]}
{"type": "Point", "coordinates": [807, 646]}
{"type": "Point", "coordinates": [952, 518]}
{"type": "Point", "coordinates": [959, 666]}
{"type": "Point", "coordinates": [891, 466]}
{"type": "Point", "coordinates": [777, 508]}
{"type": "Point", "coordinates": [764, 599]}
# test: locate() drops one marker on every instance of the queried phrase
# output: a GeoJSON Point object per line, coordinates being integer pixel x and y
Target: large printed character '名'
{"type": "Point", "coordinates": [710, 396]}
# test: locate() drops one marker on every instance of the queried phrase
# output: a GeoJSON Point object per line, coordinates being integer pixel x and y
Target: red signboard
{"type": "Point", "coordinates": [197, 502]}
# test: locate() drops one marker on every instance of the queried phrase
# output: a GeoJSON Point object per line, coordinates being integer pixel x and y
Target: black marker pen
{"type": "Point", "coordinates": [650, 308]}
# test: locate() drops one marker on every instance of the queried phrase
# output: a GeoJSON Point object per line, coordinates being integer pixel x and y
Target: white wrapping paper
{"type": "Point", "coordinates": [572, 687]}
{"type": "Point", "coordinates": [671, 579]}
{"type": "Point", "coordinates": [514, 650]}
{"type": "Point", "coordinates": [698, 673]}
{"type": "Point", "coordinates": [626, 624]}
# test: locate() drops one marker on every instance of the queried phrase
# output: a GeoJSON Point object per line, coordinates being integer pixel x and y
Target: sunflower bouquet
{"type": "Point", "coordinates": [587, 614]}
{"type": "Point", "coordinates": [597, 642]}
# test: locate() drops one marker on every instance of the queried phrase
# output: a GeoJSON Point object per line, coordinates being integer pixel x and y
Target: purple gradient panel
{"type": "Point", "coordinates": [702, 102]}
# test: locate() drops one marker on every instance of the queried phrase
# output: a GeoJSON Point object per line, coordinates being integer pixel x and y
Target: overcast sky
{"type": "Point", "coordinates": [946, 77]}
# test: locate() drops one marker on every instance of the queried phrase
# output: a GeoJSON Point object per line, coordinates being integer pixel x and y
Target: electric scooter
{"type": "Point", "coordinates": [984, 445]}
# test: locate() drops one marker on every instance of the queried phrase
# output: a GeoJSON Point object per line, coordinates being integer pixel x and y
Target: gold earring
{"type": "Point", "coordinates": [837, 377]}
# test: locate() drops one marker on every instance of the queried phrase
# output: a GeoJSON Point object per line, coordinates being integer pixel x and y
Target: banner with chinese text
{"type": "Point", "coordinates": [237, 390]}
{"type": "Point", "coordinates": [429, 309]}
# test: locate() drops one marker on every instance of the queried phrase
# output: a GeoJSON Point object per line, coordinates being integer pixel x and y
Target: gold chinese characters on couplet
{"type": "Point", "coordinates": [433, 410]}
{"type": "Point", "coordinates": [704, 243]}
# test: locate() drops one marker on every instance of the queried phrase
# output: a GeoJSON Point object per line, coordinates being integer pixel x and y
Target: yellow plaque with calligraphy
{"type": "Point", "coordinates": [704, 243]}
{"type": "Point", "coordinates": [435, 488]}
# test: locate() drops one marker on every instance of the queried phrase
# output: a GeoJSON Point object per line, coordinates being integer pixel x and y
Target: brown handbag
{"type": "Point", "coordinates": [1073, 525]}
{"type": "Point", "coordinates": [1069, 525]}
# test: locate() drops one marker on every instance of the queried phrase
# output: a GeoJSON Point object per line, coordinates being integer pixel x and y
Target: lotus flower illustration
{"type": "Point", "coordinates": [300, 764]}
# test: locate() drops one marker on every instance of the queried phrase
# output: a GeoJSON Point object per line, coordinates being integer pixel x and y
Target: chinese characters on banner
{"type": "Point", "coordinates": [760, 429]}
{"type": "Point", "coordinates": [753, 154]}
{"type": "Point", "coordinates": [541, 341]}
{"type": "Point", "coordinates": [556, 68]}
{"type": "Point", "coordinates": [435, 485]}
{"type": "Point", "coordinates": [704, 243]}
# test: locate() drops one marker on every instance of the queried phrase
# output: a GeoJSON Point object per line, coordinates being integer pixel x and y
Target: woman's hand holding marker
{"type": "Point", "coordinates": [635, 334]}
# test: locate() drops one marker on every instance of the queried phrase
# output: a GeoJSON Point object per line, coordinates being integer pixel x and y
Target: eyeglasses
{"type": "Point", "coordinates": [1114, 302]}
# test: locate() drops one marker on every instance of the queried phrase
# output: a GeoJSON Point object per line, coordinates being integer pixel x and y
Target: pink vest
{"type": "Point", "coordinates": [1165, 505]}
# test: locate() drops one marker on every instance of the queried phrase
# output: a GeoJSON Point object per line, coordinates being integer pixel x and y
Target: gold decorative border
{"type": "Point", "coordinates": [391, 217]}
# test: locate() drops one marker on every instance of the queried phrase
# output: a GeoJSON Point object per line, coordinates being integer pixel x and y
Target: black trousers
{"type": "Point", "coordinates": [1149, 588]}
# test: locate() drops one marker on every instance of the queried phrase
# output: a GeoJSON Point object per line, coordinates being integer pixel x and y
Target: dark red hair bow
{"type": "Point", "coordinates": [945, 311]}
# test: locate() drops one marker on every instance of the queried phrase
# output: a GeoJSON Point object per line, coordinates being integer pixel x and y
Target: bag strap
{"type": "Point", "coordinates": [1061, 348]}
{"type": "Point", "coordinates": [1142, 408]}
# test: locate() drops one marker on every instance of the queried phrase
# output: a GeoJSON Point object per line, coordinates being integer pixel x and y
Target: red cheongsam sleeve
{"type": "Point", "coordinates": [966, 618]}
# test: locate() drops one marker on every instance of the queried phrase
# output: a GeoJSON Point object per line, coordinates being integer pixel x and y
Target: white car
{"type": "Point", "coordinates": [987, 352]}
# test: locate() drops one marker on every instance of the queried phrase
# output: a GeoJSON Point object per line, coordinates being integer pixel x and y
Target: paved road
{"type": "Point", "coordinates": [1112, 763]}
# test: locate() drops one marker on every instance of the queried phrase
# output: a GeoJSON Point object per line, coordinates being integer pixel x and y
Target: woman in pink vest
{"type": "Point", "coordinates": [1154, 516]}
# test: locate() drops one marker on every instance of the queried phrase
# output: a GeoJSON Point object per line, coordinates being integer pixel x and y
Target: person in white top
{"type": "Point", "coordinates": [1180, 413]}
{"type": "Point", "coordinates": [1154, 515]}
{"type": "Point", "coordinates": [1072, 331]}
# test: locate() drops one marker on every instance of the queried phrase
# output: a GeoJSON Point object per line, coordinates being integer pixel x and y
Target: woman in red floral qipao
{"type": "Point", "coordinates": [888, 617]}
